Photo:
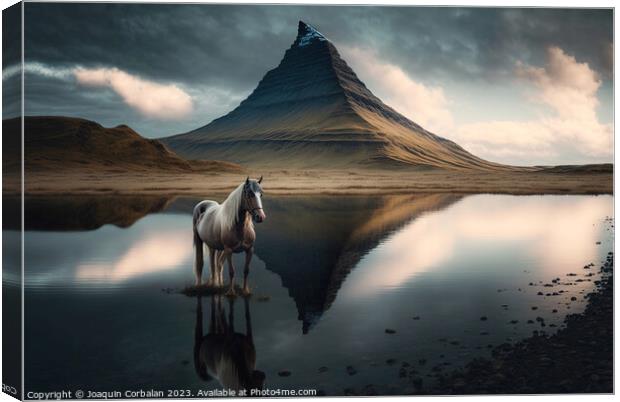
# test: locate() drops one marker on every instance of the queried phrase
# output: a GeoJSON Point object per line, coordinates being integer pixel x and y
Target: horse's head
{"type": "Point", "coordinates": [252, 199]}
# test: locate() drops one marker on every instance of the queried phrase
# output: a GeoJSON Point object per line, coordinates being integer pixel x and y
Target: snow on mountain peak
{"type": "Point", "coordinates": [306, 34]}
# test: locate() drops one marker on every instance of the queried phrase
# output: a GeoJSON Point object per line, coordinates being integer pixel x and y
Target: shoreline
{"type": "Point", "coordinates": [576, 359]}
{"type": "Point", "coordinates": [311, 182]}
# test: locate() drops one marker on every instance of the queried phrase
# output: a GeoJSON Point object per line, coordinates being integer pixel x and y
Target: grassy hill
{"type": "Point", "coordinates": [69, 144]}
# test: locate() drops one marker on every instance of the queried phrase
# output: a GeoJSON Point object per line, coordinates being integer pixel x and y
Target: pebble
{"type": "Point", "coordinates": [284, 373]}
{"type": "Point", "coordinates": [390, 331]}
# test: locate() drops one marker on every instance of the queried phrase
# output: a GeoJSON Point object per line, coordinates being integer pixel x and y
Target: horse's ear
{"type": "Point", "coordinates": [247, 180]}
{"type": "Point", "coordinates": [260, 179]}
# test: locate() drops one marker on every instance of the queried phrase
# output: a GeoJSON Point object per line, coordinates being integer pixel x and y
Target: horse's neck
{"type": "Point", "coordinates": [243, 220]}
{"type": "Point", "coordinates": [241, 216]}
{"type": "Point", "coordinates": [230, 210]}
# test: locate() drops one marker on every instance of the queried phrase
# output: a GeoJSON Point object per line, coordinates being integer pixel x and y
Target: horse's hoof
{"type": "Point", "coordinates": [231, 293]}
{"type": "Point", "coordinates": [246, 291]}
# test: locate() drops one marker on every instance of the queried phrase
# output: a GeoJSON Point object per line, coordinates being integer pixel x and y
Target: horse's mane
{"type": "Point", "coordinates": [230, 207]}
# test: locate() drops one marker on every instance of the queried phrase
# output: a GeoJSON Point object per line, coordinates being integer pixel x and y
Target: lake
{"type": "Point", "coordinates": [350, 294]}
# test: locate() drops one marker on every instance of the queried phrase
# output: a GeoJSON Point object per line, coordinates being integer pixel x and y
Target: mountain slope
{"type": "Point", "coordinates": [66, 143]}
{"type": "Point", "coordinates": [312, 110]}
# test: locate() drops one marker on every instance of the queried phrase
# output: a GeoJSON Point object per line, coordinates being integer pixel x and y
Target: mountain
{"type": "Point", "coordinates": [312, 110]}
{"type": "Point", "coordinates": [66, 143]}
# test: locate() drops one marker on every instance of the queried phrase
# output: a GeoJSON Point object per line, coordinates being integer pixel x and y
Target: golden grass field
{"type": "Point", "coordinates": [70, 156]}
{"type": "Point", "coordinates": [297, 182]}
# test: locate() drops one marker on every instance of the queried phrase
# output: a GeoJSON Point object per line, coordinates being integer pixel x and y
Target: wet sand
{"type": "Point", "coordinates": [294, 182]}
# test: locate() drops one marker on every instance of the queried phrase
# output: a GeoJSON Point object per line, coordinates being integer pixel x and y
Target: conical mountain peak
{"type": "Point", "coordinates": [313, 111]}
{"type": "Point", "coordinates": [307, 34]}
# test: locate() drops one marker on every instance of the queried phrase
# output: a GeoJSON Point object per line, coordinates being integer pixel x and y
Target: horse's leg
{"type": "Point", "coordinates": [246, 271]}
{"type": "Point", "coordinates": [231, 273]}
{"type": "Point", "coordinates": [213, 272]}
{"type": "Point", "coordinates": [198, 260]}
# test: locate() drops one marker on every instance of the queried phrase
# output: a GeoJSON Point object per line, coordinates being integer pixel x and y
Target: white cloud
{"type": "Point", "coordinates": [565, 89]}
{"type": "Point", "coordinates": [424, 104]}
{"type": "Point", "coordinates": [167, 102]}
{"type": "Point", "coordinates": [506, 140]}
{"type": "Point", "coordinates": [36, 68]}
{"type": "Point", "coordinates": [568, 89]}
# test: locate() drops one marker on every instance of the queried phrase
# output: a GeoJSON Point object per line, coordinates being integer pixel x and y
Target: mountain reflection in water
{"type": "Point", "coordinates": [331, 275]}
{"type": "Point", "coordinates": [80, 212]}
{"type": "Point", "coordinates": [313, 243]}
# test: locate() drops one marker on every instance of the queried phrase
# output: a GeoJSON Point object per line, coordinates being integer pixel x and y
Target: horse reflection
{"type": "Point", "coordinates": [223, 354]}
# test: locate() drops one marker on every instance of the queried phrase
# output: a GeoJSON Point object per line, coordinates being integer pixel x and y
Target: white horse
{"type": "Point", "coordinates": [228, 228]}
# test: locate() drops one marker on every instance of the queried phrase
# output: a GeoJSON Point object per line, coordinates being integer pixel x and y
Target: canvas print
{"type": "Point", "coordinates": [215, 200]}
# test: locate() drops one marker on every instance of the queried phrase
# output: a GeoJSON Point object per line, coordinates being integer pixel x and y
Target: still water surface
{"type": "Point", "coordinates": [104, 310]}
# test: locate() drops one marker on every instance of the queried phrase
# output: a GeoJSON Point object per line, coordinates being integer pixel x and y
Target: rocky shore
{"type": "Point", "coordinates": [576, 359]}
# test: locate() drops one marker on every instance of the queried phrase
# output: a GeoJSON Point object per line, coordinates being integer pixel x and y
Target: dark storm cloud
{"type": "Point", "coordinates": [218, 53]}
{"type": "Point", "coordinates": [11, 55]}
{"type": "Point", "coordinates": [11, 35]}
{"type": "Point", "coordinates": [213, 45]}
{"type": "Point", "coordinates": [233, 46]}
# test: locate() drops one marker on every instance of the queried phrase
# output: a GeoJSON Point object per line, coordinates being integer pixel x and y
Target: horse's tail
{"type": "Point", "coordinates": [199, 260]}
{"type": "Point", "coordinates": [199, 209]}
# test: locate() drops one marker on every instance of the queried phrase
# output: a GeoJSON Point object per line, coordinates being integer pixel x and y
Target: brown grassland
{"type": "Point", "coordinates": [75, 156]}
{"type": "Point", "coordinates": [296, 182]}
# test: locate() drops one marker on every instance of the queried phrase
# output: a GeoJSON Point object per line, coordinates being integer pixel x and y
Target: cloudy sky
{"type": "Point", "coordinates": [526, 86]}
